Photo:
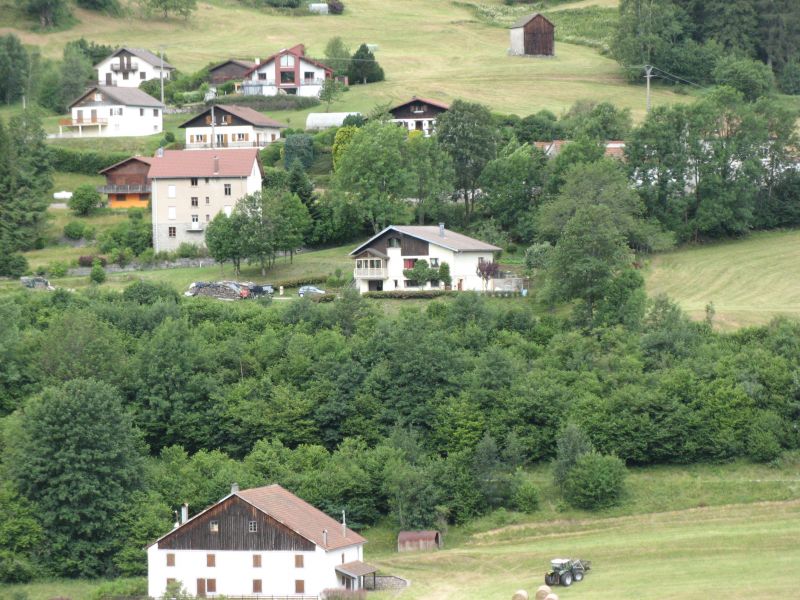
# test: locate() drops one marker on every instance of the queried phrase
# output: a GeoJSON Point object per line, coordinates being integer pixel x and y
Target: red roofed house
{"type": "Point", "coordinates": [230, 126]}
{"type": "Point", "coordinates": [418, 114]}
{"type": "Point", "coordinates": [289, 71]}
{"type": "Point", "coordinates": [260, 542]}
{"type": "Point", "coordinates": [128, 183]}
{"type": "Point", "coordinates": [189, 188]}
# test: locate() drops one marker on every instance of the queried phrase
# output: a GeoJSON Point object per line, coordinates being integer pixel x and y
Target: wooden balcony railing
{"type": "Point", "coordinates": [82, 122]}
{"type": "Point", "coordinates": [370, 273]}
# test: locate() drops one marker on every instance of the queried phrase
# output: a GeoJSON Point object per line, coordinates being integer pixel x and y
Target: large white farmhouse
{"type": "Point", "coordinates": [260, 542]}
{"type": "Point", "coordinates": [289, 71]}
{"type": "Point", "coordinates": [128, 67]}
{"type": "Point", "coordinates": [230, 126]}
{"type": "Point", "coordinates": [108, 111]}
{"type": "Point", "coordinates": [380, 261]}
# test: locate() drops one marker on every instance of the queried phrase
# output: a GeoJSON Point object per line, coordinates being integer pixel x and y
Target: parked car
{"type": "Point", "coordinates": [309, 290]}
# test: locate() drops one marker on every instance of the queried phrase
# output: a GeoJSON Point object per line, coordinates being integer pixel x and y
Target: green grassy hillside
{"type": "Point", "coordinates": [433, 48]}
{"type": "Point", "coordinates": [749, 281]}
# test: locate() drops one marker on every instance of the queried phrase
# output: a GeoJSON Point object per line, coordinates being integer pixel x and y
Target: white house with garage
{"type": "Point", "coordinates": [260, 542]}
{"type": "Point", "coordinates": [381, 260]}
{"type": "Point", "coordinates": [289, 71]}
{"type": "Point", "coordinates": [128, 67]}
{"type": "Point", "coordinates": [108, 111]}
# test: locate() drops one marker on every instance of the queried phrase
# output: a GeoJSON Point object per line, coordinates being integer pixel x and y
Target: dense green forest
{"type": "Point", "coordinates": [119, 407]}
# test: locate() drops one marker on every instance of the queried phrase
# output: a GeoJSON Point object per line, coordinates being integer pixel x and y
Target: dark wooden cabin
{"type": "Point", "coordinates": [127, 183]}
{"type": "Point", "coordinates": [533, 35]}
{"type": "Point", "coordinates": [230, 70]}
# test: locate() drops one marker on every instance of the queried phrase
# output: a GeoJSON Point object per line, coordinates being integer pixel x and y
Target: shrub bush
{"type": "Point", "coordinates": [12, 264]}
{"type": "Point", "coordinates": [148, 257]}
{"type": "Point", "coordinates": [298, 147]}
{"type": "Point", "coordinates": [87, 163]}
{"type": "Point", "coordinates": [74, 230]}
{"type": "Point", "coordinates": [98, 275]}
{"type": "Point", "coordinates": [85, 200]}
{"type": "Point", "coordinates": [57, 269]}
{"type": "Point", "coordinates": [120, 588]}
{"type": "Point", "coordinates": [335, 7]}
{"type": "Point", "coordinates": [571, 444]}
{"type": "Point", "coordinates": [133, 233]}
{"type": "Point", "coordinates": [187, 250]}
{"type": "Point", "coordinates": [148, 292]}
{"type": "Point", "coordinates": [595, 481]}
{"type": "Point", "coordinates": [300, 281]}
{"type": "Point", "coordinates": [271, 154]}
{"type": "Point", "coordinates": [88, 260]}
{"type": "Point", "coordinates": [321, 298]}
{"type": "Point", "coordinates": [526, 497]}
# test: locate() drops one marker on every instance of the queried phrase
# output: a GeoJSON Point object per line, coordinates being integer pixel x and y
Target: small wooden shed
{"type": "Point", "coordinates": [419, 541]}
{"type": "Point", "coordinates": [533, 35]}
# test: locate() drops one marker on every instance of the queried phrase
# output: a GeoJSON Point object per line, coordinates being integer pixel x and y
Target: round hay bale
{"type": "Point", "coordinates": [542, 591]}
{"type": "Point", "coordinates": [520, 595]}
{"type": "Point", "coordinates": [551, 596]}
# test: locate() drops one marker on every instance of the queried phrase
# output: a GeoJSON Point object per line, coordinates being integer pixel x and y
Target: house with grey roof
{"type": "Point", "coordinates": [129, 67]}
{"type": "Point", "coordinates": [109, 111]}
{"type": "Point", "coordinates": [380, 262]}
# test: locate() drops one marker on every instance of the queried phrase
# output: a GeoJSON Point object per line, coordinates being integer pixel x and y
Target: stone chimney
{"type": "Point", "coordinates": [234, 488]}
{"type": "Point", "coordinates": [216, 165]}
{"type": "Point", "coordinates": [184, 513]}
{"type": "Point", "coordinates": [344, 525]}
{"type": "Point", "coordinates": [441, 229]}
{"type": "Point", "coordinates": [325, 537]}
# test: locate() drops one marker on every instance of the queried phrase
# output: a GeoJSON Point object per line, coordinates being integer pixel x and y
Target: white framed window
{"type": "Point", "coordinates": [434, 262]}
{"type": "Point", "coordinates": [227, 189]}
{"type": "Point", "coordinates": [287, 60]}
{"type": "Point", "coordinates": [193, 181]}
{"type": "Point", "coordinates": [98, 97]}
{"type": "Point", "coordinates": [171, 192]}
{"type": "Point", "coordinates": [195, 219]}
{"type": "Point", "coordinates": [171, 213]}
{"type": "Point", "coordinates": [213, 526]}
{"type": "Point", "coordinates": [252, 527]}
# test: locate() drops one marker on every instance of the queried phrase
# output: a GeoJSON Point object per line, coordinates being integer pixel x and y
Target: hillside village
{"type": "Point", "coordinates": [349, 300]}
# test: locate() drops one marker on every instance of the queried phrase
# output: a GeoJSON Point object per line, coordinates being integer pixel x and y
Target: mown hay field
{"type": "Point", "coordinates": [748, 281]}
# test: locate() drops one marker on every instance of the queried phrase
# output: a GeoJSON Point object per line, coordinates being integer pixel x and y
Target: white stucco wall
{"type": "Point", "coordinates": [134, 77]}
{"type": "Point", "coordinates": [134, 121]}
{"type": "Point", "coordinates": [234, 571]}
{"type": "Point", "coordinates": [517, 37]}
{"type": "Point", "coordinates": [269, 86]}
{"type": "Point", "coordinates": [463, 267]}
{"type": "Point", "coordinates": [163, 207]}
{"type": "Point", "coordinates": [262, 135]}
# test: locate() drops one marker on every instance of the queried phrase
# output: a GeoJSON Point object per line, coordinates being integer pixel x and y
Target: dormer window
{"type": "Point", "coordinates": [98, 97]}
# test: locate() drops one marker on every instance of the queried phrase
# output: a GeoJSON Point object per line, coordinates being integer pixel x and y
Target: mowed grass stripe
{"type": "Point", "coordinates": [749, 281]}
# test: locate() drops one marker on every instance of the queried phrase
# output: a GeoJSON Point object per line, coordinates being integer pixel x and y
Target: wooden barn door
{"type": "Point", "coordinates": [201, 588]}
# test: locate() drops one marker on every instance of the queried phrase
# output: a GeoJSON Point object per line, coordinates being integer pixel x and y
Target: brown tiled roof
{"type": "Point", "coordinates": [145, 159]}
{"type": "Point", "coordinates": [356, 568]}
{"type": "Point", "coordinates": [522, 21]}
{"type": "Point", "coordinates": [251, 116]}
{"type": "Point", "coordinates": [430, 233]}
{"type": "Point", "coordinates": [436, 103]}
{"type": "Point", "coordinates": [181, 164]}
{"type": "Point", "coordinates": [299, 516]}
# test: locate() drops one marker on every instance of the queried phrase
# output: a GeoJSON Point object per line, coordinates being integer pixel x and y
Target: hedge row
{"type": "Point", "coordinates": [86, 163]}
{"type": "Point", "coordinates": [296, 283]}
{"type": "Point", "coordinates": [279, 102]}
{"type": "Point", "coordinates": [408, 294]}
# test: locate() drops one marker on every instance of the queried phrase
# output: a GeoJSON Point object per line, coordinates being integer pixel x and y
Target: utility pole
{"type": "Point", "coordinates": [648, 73]}
{"type": "Point", "coordinates": [161, 72]}
{"type": "Point", "coordinates": [213, 123]}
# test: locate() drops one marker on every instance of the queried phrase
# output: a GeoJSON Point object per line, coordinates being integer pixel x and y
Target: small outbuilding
{"type": "Point", "coordinates": [419, 541]}
{"type": "Point", "coordinates": [533, 35]}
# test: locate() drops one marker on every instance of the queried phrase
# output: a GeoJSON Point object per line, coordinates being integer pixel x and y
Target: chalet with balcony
{"type": "Point", "coordinates": [259, 543]}
{"type": "Point", "coordinates": [418, 114]}
{"type": "Point", "coordinates": [189, 188]}
{"type": "Point", "coordinates": [230, 126]}
{"type": "Point", "coordinates": [289, 71]}
{"type": "Point", "coordinates": [233, 69]}
{"type": "Point", "coordinates": [381, 260]}
{"type": "Point", "coordinates": [129, 67]}
{"type": "Point", "coordinates": [108, 111]}
{"type": "Point", "coordinates": [128, 183]}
